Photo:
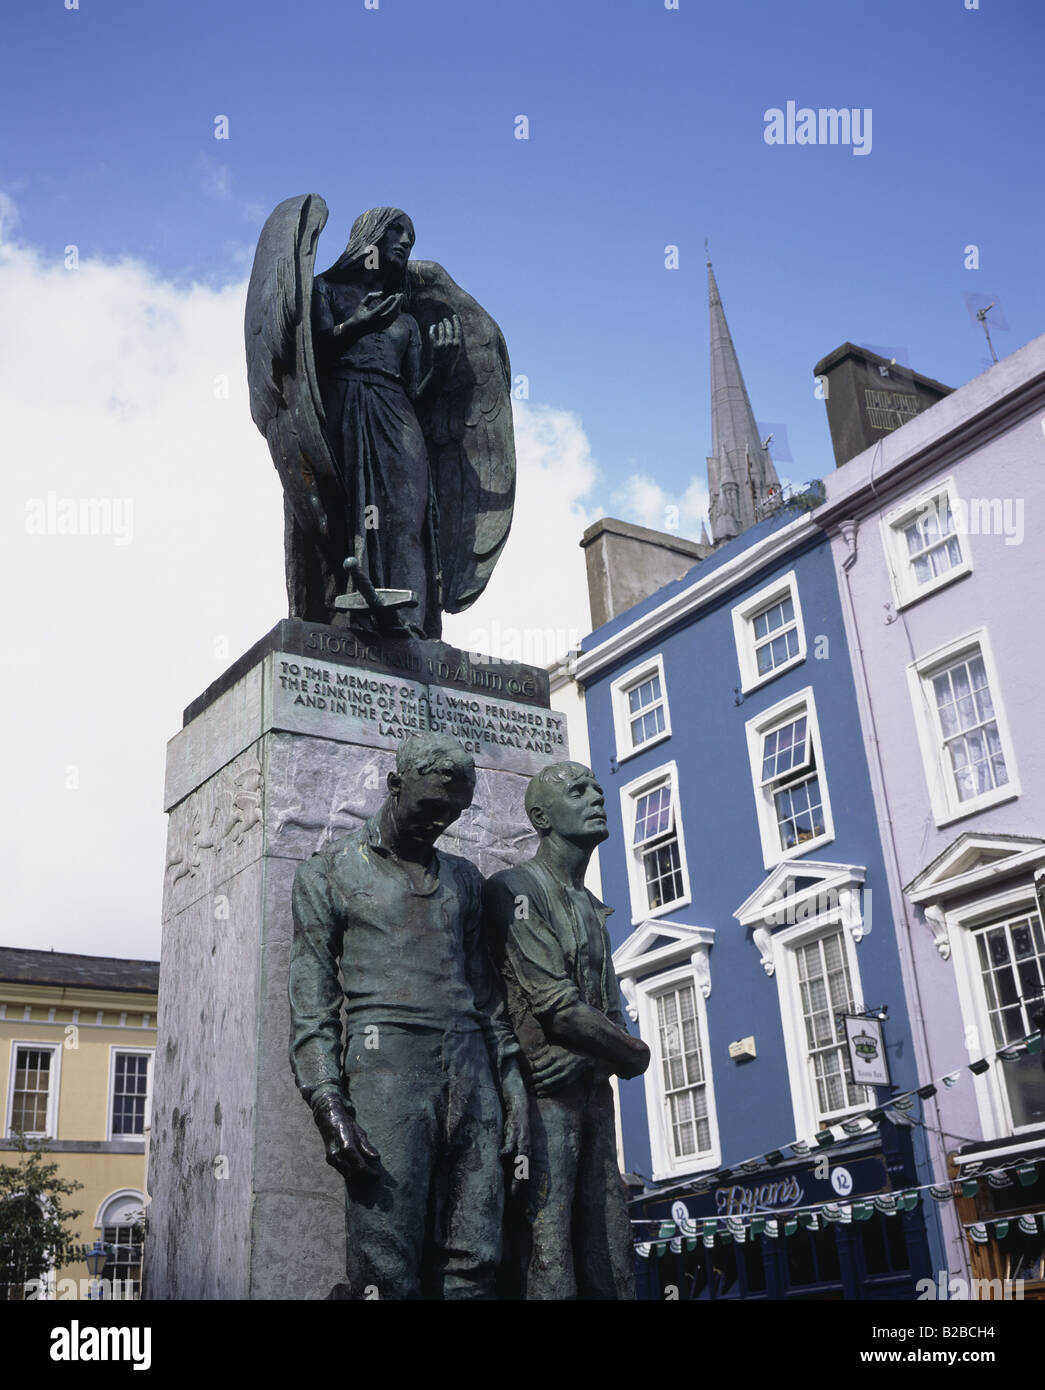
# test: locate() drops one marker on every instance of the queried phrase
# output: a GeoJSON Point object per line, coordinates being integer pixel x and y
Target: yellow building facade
{"type": "Point", "coordinates": [77, 1037]}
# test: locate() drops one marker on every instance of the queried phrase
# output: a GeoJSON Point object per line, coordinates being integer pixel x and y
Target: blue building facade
{"type": "Point", "coordinates": [751, 917]}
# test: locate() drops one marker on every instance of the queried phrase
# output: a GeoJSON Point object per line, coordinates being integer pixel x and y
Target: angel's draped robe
{"type": "Point", "coordinates": [368, 390]}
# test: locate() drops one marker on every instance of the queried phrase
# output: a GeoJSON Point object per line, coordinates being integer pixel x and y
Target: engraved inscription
{"type": "Point", "coordinates": [359, 705]}
{"type": "Point", "coordinates": [472, 671]}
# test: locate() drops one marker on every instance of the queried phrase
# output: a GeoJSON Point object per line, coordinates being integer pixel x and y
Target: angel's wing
{"type": "Point", "coordinates": [471, 443]}
{"type": "Point", "coordinates": [281, 374]}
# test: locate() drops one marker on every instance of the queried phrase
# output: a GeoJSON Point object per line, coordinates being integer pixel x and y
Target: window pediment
{"type": "Point", "coordinates": [972, 861]}
{"type": "Point", "coordinates": [655, 946]}
{"type": "Point", "coordinates": [804, 893]}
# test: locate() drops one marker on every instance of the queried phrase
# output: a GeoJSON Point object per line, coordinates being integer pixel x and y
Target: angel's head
{"type": "Point", "coordinates": [389, 232]}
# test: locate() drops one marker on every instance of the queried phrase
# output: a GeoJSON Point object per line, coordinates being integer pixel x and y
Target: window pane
{"type": "Point", "coordinates": [970, 731]}
{"type": "Point", "coordinates": [647, 725]}
{"type": "Point", "coordinates": [653, 814]}
{"type": "Point", "coordinates": [933, 548]}
{"type": "Point", "coordinates": [645, 701]}
{"type": "Point", "coordinates": [776, 636]}
{"type": "Point", "coordinates": [960, 680]}
{"type": "Point", "coordinates": [31, 1090]}
{"type": "Point", "coordinates": [1011, 958]}
{"type": "Point", "coordinates": [125, 1259]}
{"type": "Point", "coordinates": [130, 1087]}
{"type": "Point", "coordinates": [825, 991]}
{"type": "Point", "coordinates": [663, 873]}
{"type": "Point", "coordinates": [800, 813]}
{"type": "Point", "coordinates": [784, 749]}
{"type": "Point", "coordinates": [682, 1067]}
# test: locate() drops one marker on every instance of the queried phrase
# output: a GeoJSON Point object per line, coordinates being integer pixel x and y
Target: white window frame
{"type": "Point", "coordinates": [801, 702]}
{"type": "Point", "coordinates": [53, 1091]}
{"type": "Point", "coordinates": [943, 793]}
{"type": "Point", "coordinates": [120, 1195]}
{"type": "Point", "coordinates": [629, 800]}
{"type": "Point", "coordinates": [665, 1164]}
{"type": "Point", "coordinates": [906, 589]}
{"type": "Point", "coordinates": [785, 944]}
{"type": "Point", "coordinates": [619, 690]}
{"type": "Point", "coordinates": [117, 1200]}
{"type": "Point", "coordinates": [744, 615]}
{"type": "Point", "coordinates": [992, 1097]}
{"type": "Point", "coordinates": [149, 1052]}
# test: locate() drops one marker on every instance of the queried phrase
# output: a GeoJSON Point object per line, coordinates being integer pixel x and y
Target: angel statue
{"type": "Point", "coordinates": [384, 393]}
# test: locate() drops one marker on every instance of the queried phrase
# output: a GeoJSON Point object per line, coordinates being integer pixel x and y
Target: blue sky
{"type": "Point", "coordinates": [646, 129]}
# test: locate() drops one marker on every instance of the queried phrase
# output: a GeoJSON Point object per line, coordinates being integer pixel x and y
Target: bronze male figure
{"type": "Point", "coordinates": [549, 938]}
{"type": "Point", "coordinates": [413, 1116]}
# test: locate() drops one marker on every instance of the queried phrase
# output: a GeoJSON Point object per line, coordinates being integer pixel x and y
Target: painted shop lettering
{"type": "Point", "coordinates": [768, 1196]}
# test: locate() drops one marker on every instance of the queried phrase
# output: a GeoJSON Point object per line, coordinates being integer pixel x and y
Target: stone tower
{"type": "Point", "coordinates": [741, 477]}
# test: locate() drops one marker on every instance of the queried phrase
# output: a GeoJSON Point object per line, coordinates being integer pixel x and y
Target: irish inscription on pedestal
{"type": "Point", "coordinates": [354, 705]}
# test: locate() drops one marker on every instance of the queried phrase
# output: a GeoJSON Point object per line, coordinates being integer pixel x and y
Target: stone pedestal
{"type": "Point", "coordinates": [286, 752]}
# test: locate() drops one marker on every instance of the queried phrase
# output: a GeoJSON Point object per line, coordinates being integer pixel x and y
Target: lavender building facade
{"type": "Point", "coordinates": [936, 538]}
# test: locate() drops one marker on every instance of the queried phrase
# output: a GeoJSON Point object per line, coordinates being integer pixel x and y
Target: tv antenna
{"type": "Point", "coordinates": [981, 314]}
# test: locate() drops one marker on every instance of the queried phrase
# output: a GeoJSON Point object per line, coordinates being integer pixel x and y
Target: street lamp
{"type": "Point", "coordinates": [96, 1258]}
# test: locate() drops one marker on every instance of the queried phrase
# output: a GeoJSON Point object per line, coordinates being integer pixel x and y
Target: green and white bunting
{"type": "Point", "coordinates": [899, 1110]}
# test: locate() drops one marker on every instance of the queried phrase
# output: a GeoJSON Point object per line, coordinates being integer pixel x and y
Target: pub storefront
{"type": "Point", "coordinates": [1002, 1209]}
{"type": "Point", "coordinates": [799, 1229]}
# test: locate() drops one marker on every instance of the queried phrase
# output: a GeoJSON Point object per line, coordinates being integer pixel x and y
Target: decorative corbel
{"type": "Point", "coordinates": [702, 968]}
{"type": "Point", "coordinates": [848, 530]}
{"type": "Point", "coordinates": [763, 939]}
{"type": "Point", "coordinates": [631, 997]}
{"type": "Point", "coordinates": [855, 922]}
{"type": "Point", "coordinates": [937, 920]}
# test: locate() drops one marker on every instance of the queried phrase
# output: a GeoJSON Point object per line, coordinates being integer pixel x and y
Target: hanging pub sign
{"type": "Point", "coordinates": [866, 1039]}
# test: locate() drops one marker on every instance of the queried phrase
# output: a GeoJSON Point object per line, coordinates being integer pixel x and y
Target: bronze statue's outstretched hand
{"type": "Point", "coordinates": [445, 337]}
{"type": "Point", "coordinates": [374, 312]}
{"type": "Point", "coordinates": [348, 1148]}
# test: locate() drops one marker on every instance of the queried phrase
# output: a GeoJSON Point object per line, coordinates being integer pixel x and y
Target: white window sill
{"type": "Point", "coordinates": [788, 665]}
{"type": "Point", "coordinates": [968, 808]}
{"type": "Point", "coordinates": [699, 1163]}
{"type": "Point", "coordinates": [932, 586]}
{"type": "Point", "coordinates": [623, 756]}
{"type": "Point", "coordinates": [651, 912]}
{"type": "Point", "coordinates": [797, 851]}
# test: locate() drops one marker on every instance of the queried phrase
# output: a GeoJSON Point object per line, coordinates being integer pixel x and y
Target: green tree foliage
{"type": "Point", "coordinates": [34, 1222]}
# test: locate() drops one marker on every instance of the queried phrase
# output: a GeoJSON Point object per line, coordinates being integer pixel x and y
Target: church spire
{"type": "Point", "coordinates": [741, 475]}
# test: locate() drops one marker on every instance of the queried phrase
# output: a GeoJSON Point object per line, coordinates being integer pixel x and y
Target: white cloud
{"type": "Point", "coordinates": [642, 500]}
{"type": "Point", "coordinates": [110, 393]}
{"type": "Point", "coordinates": [118, 388]}
{"type": "Point", "coordinates": [536, 605]}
